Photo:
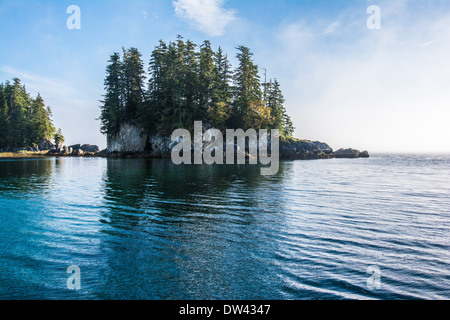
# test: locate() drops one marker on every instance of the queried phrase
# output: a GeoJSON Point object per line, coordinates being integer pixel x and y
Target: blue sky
{"type": "Point", "coordinates": [384, 90]}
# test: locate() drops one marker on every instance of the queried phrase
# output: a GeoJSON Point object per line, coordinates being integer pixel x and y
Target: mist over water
{"type": "Point", "coordinates": [147, 229]}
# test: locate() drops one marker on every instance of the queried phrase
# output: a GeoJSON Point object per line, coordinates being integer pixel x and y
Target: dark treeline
{"type": "Point", "coordinates": [24, 121]}
{"type": "Point", "coordinates": [186, 83]}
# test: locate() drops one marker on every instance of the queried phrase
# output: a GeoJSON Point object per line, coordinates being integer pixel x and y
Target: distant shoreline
{"type": "Point", "coordinates": [41, 154]}
{"type": "Point", "coordinates": [340, 154]}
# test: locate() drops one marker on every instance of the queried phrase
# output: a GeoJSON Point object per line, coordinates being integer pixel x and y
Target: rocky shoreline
{"type": "Point", "coordinates": [47, 149]}
{"type": "Point", "coordinates": [132, 143]}
{"type": "Point", "coordinates": [304, 150]}
{"type": "Point", "coordinates": [291, 149]}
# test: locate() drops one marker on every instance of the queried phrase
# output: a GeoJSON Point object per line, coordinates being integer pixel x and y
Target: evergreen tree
{"type": "Point", "coordinates": [207, 78]}
{"type": "Point", "coordinates": [41, 127]}
{"type": "Point", "coordinates": [247, 87]}
{"type": "Point", "coordinates": [275, 101]}
{"type": "Point", "coordinates": [191, 83]}
{"type": "Point", "coordinates": [133, 82]}
{"type": "Point", "coordinates": [151, 114]}
{"type": "Point", "coordinates": [222, 92]}
{"type": "Point", "coordinates": [187, 83]}
{"type": "Point", "coordinates": [113, 105]}
{"type": "Point", "coordinates": [220, 110]}
{"type": "Point", "coordinates": [19, 102]}
{"type": "Point", "coordinates": [24, 121]}
{"type": "Point", "coordinates": [58, 138]}
{"type": "Point", "coordinates": [4, 121]}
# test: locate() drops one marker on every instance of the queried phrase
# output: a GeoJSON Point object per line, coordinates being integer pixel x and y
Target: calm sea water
{"type": "Point", "coordinates": [146, 229]}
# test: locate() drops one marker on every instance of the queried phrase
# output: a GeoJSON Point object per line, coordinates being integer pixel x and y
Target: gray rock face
{"type": "Point", "coordinates": [364, 154]}
{"type": "Point", "coordinates": [90, 148]}
{"type": "Point", "coordinates": [45, 145]}
{"type": "Point", "coordinates": [129, 139]}
{"type": "Point", "coordinates": [78, 152]}
{"type": "Point", "coordinates": [304, 149]}
{"type": "Point", "coordinates": [85, 148]}
{"type": "Point", "coordinates": [75, 147]}
{"type": "Point", "coordinates": [159, 146]}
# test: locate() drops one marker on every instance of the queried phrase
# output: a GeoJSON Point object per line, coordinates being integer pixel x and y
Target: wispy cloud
{"type": "Point", "coordinates": [36, 83]}
{"type": "Point", "coordinates": [331, 27]}
{"type": "Point", "coordinates": [208, 16]}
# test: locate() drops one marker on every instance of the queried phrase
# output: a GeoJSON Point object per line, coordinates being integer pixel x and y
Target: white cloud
{"type": "Point", "coordinates": [331, 27]}
{"type": "Point", "coordinates": [208, 16]}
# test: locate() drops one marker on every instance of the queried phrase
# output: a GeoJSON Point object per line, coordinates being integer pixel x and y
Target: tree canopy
{"type": "Point", "coordinates": [186, 82]}
{"type": "Point", "coordinates": [24, 121]}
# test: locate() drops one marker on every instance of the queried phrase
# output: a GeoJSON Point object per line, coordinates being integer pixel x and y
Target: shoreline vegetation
{"type": "Point", "coordinates": [185, 83]}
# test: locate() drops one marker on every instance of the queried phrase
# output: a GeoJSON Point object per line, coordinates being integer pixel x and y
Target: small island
{"type": "Point", "coordinates": [185, 83]}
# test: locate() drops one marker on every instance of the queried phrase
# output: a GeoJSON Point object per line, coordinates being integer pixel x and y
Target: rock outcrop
{"type": "Point", "coordinates": [45, 145]}
{"type": "Point", "coordinates": [130, 139]}
{"type": "Point", "coordinates": [75, 150]}
{"type": "Point", "coordinates": [132, 142]}
{"type": "Point", "coordinates": [350, 154]}
{"type": "Point", "coordinates": [85, 148]}
{"type": "Point", "coordinates": [304, 149]}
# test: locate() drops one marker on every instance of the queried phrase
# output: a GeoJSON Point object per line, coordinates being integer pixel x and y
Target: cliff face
{"type": "Point", "coordinates": [131, 140]}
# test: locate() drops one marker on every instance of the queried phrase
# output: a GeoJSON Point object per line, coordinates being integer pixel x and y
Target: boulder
{"type": "Point", "coordinates": [291, 148]}
{"type": "Point", "coordinates": [78, 152]}
{"type": "Point", "coordinates": [66, 150]}
{"type": "Point", "coordinates": [350, 154]}
{"type": "Point", "coordinates": [86, 148]}
{"type": "Point", "coordinates": [364, 154]}
{"type": "Point", "coordinates": [75, 147]}
{"type": "Point", "coordinates": [90, 148]}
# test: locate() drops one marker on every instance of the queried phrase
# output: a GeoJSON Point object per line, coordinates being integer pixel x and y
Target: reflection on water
{"type": "Point", "coordinates": [189, 232]}
{"type": "Point", "coordinates": [147, 229]}
{"type": "Point", "coordinates": [20, 178]}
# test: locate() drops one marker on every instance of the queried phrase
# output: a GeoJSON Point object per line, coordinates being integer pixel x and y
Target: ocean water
{"type": "Point", "coordinates": [147, 229]}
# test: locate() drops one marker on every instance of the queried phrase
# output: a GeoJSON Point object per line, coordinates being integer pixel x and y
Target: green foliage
{"type": "Point", "coordinates": [188, 83]}
{"type": "Point", "coordinates": [58, 138]}
{"type": "Point", "coordinates": [275, 101]}
{"type": "Point", "coordinates": [24, 121]}
{"type": "Point", "coordinates": [247, 86]}
{"type": "Point", "coordinates": [113, 111]}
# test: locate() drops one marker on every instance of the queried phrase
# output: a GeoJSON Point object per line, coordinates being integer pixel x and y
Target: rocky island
{"type": "Point", "coordinates": [186, 83]}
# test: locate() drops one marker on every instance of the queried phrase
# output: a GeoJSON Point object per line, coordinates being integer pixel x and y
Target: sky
{"type": "Point", "coordinates": [383, 90]}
